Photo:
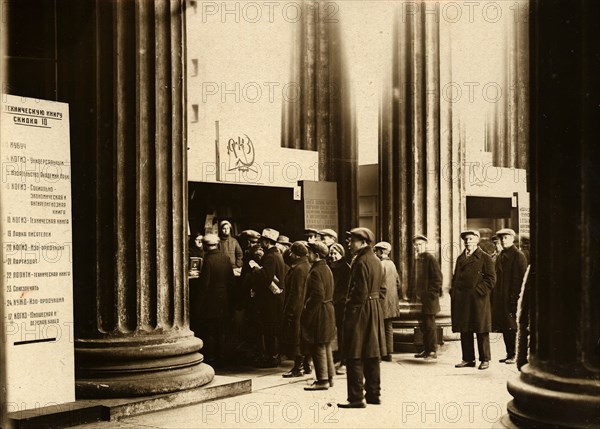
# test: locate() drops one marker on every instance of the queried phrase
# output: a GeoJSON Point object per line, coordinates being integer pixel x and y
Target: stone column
{"type": "Point", "coordinates": [560, 386]}
{"type": "Point", "coordinates": [121, 68]}
{"type": "Point", "coordinates": [418, 161]}
{"type": "Point", "coordinates": [320, 116]}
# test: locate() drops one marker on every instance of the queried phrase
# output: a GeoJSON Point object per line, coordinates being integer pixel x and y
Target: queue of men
{"type": "Point", "coordinates": [331, 306]}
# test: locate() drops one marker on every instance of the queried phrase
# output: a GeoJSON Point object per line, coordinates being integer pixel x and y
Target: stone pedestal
{"type": "Point", "coordinates": [560, 386]}
{"type": "Point", "coordinates": [121, 68]}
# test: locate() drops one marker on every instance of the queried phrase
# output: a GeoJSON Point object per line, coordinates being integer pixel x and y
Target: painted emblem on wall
{"type": "Point", "coordinates": [241, 154]}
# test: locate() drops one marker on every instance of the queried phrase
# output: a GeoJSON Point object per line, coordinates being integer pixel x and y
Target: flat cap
{"type": "Point", "coordinates": [270, 234]}
{"type": "Point", "coordinates": [328, 232]}
{"type": "Point", "coordinates": [251, 234]}
{"type": "Point", "coordinates": [211, 239]}
{"type": "Point", "coordinates": [298, 248]}
{"type": "Point", "coordinates": [384, 245]}
{"type": "Point", "coordinates": [311, 231]}
{"type": "Point", "coordinates": [284, 239]}
{"type": "Point", "coordinates": [319, 248]}
{"type": "Point", "coordinates": [470, 232]}
{"type": "Point", "coordinates": [224, 222]}
{"type": "Point", "coordinates": [420, 237]}
{"type": "Point", "coordinates": [506, 231]}
{"type": "Point", "coordinates": [338, 248]}
{"type": "Point", "coordinates": [363, 234]}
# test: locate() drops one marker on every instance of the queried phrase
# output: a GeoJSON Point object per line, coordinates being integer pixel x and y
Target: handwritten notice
{"type": "Point", "coordinates": [36, 269]}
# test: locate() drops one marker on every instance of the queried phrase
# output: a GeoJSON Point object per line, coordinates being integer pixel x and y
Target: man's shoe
{"type": "Point", "coordinates": [509, 361]}
{"type": "Point", "coordinates": [431, 356]}
{"type": "Point", "coordinates": [307, 369]}
{"type": "Point", "coordinates": [357, 404]}
{"type": "Point", "coordinates": [341, 370]}
{"type": "Point", "coordinates": [294, 372]}
{"type": "Point", "coordinates": [484, 365]}
{"type": "Point", "coordinates": [374, 401]}
{"type": "Point", "coordinates": [502, 360]}
{"type": "Point", "coordinates": [465, 364]}
{"type": "Point", "coordinates": [420, 355]}
{"type": "Point", "coordinates": [318, 385]}
{"type": "Point", "coordinates": [387, 358]}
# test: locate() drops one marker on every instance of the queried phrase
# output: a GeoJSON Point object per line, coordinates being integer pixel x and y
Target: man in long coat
{"type": "Point", "coordinates": [427, 289]}
{"type": "Point", "coordinates": [269, 284]}
{"type": "Point", "coordinates": [472, 284]}
{"type": "Point", "coordinates": [295, 294]}
{"type": "Point", "coordinates": [389, 294]}
{"type": "Point", "coordinates": [511, 265]}
{"type": "Point", "coordinates": [209, 302]}
{"type": "Point", "coordinates": [318, 316]}
{"type": "Point", "coordinates": [364, 336]}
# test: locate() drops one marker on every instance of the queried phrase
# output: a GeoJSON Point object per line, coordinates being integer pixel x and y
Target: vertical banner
{"type": "Point", "coordinates": [36, 268]}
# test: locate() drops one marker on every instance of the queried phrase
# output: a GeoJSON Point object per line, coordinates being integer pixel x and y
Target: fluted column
{"type": "Point", "coordinates": [121, 68]}
{"type": "Point", "coordinates": [321, 115]}
{"type": "Point", "coordinates": [420, 167]}
{"type": "Point", "coordinates": [560, 386]}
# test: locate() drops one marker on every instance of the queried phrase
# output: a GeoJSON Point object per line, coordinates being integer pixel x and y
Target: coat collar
{"type": "Point", "coordinates": [476, 254]}
{"type": "Point", "coordinates": [273, 249]}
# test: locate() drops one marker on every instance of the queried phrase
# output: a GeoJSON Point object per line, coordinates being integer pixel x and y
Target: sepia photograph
{"type": "Point", "coordinates": [299, 213]}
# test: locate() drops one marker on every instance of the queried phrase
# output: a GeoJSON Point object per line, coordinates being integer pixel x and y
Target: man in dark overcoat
{"type": "Point", "coordinates": [318, 316]}
{"type": "Point", "coordinates": [209, 302]}
{"type": "Point", "coordinates": [269, 282]}
{"type": "Point", "coordinates": [472, 284]}
{"type": "Point", "coordinates": [295, 294]}
{"type": "Point", "coordinates": [511, 265]}
{"type": "Point", "coordinates": [364, 335]}
{"type": "Point", "coordinates": [427, 280]}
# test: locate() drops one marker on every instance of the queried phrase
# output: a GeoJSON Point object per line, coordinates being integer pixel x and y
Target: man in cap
{"type": "Point", "coordinates": [364, 335]}
{"type": "Point", "coordinates": [497, 247]}
{"type": "Point", "coordinates": [311, 235]}
{"type": "Point", "coordinates": [230, 246]}
{"type": "Point", "coordinates": [390, 291]}
{"type": "Point", "coordinates": [318, 316]}
{"type": "Point", "coordinates": [511, 265]}
{"type": "Point", "coordinates": [472, 283]}
{"type": "Point", "coordinates": [427, 289]}
{"type": "Point", "coordinates": [341, 279]}
{"type": "Point", "coordinates": [209, 303]}
{"type": "Point", "coordinates": [295, 294]}
{"type": "Point", "coordinates": [270, 280]}
{"type": "Point", "coordinates": [328, 236]}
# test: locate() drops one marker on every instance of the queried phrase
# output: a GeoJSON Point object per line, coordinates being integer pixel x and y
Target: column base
{"type": "Point", "coordinates": [544, 400]}
{"type": "Point", "coordinates": [139, 366]}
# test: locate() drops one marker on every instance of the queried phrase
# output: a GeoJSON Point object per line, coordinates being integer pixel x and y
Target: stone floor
{"type": "Point", "coordinates": [415, 394]}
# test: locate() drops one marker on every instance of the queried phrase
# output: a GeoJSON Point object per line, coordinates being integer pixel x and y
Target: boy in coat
{"type": "Point", "coordinates": [364, 335]}
{"type": "Point", "coordinates": [427, 289]}
{"type": "Point", "coordinates": [295, 286]}
{"type": "Point", "coordinates": [390, 291]}
{"type": "Point", "coordinates": [318, 317]}
{"type": "Point", "coordinates": [209, 303]}
{"type": "Point", "coordinates": [472, 283]}
{"type": "Point", "coordinates": [511, 265]}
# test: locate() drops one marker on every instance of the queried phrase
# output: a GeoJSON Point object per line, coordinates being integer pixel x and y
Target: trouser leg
{"type": "Point", "coordinates": [330, 364]}
{"type": "Point", "coordinates": [372, 378]}
{"type": "Point", "coordinates": [467, 346]}
{"type": "Point", "coordinates": [355, 377]}
{"type": "Point", "coordinates": [429, 329]}
{"type": "Point", "coordinates": [319, 356]}
{"type": "Point", "coordinates": [510, 341]}
{"type": "Point", "coordinates": [389, 336]}
{"type": "Point", "coordinates": [483, 346]}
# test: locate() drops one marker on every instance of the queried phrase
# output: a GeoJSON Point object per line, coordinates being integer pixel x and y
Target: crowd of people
{"type": "Point", "coordinates": [329, 306]}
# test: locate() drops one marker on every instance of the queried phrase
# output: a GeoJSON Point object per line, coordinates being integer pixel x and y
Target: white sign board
{"type": "Point", "coordinates": [36, 268]}
{"type": "Point", "coordinates": [245, 158]}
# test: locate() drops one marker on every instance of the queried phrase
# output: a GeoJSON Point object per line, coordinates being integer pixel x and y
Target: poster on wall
{"type": "Point", "coordinates": [36, 268]}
